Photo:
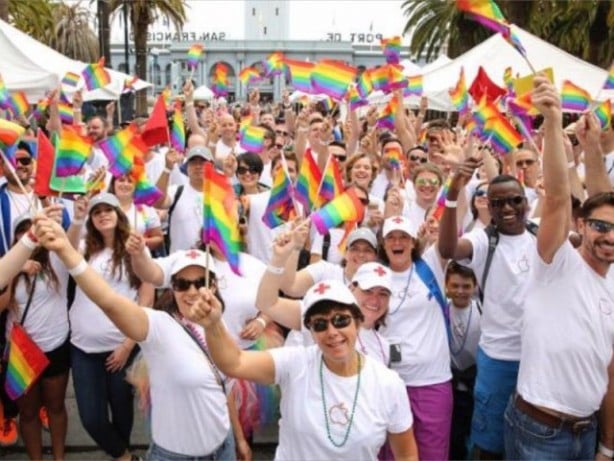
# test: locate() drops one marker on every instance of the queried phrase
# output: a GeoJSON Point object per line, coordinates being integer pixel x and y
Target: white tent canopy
{"type": "Point", "coordinates": [495, 55]}
{"type": "Point", "coordinates": [441, 61]}
{"type": "Point", "coordinates": [30, 66]}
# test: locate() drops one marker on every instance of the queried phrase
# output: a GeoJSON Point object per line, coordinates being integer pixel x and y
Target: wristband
{"type": "Point", "coordinates": [29, 241]}
{"type": "Point", "coordinates": [605, 451]}
{"type": "Point", "coordinates": [189, 104]}
{"type": "Point", "coordinates": [275, 270]}
{"type": "Point", "coordinates": [166, 170]}
{"type": "Point", "coordinates": [78, 269]}
{"type": "Point", "coordinates": [77, 222]}
{"type": "Point", "coordinates": [451, 203]}
{"type": "Point", "coordinates": [571, 164]}
{"type": "Point", "coordinates": [76, 110]}
{"type": "Point", "coordinates": [261, 321]}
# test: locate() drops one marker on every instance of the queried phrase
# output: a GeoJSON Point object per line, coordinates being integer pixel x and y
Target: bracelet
{"type": "Point", "coordinates": [29, 241]}
{"type": "Point", "coordinates": [261, 321]}
{"type": "Point", "coordinates": [605, 451]}
{"type": "Point", "coordinates": [76, 110]}
{"type": "Point", "coordinates": [571, 164]}
{"type": "Point", "coordinates": [78, 269]}
{"type": "Point", "coordinates": [451, 203]}
{"type": "Point", "coordinates": [77, 222]}
{"type": "Point", "coordinates": [166, 170]}
{"type": "Point", "coordinates": [189, 104]}
{"type": "Point", "coordinates": [275, 270]}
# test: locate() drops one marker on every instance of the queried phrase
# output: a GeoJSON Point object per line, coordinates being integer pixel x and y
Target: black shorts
{"type": "Point", "coordinates": [59, 360]}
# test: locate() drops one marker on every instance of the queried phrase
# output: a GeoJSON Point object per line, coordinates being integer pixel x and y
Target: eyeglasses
{"type": "Point", "coordinates": [522, 163]}
{"type": "Point", "coordinates": [480, 193]}
{"type": "Point", "coordinates": [341, 158]}
{"type": "Point", "coordinates": [417, 158]}
{"type": "Point", "coordinates": [338, 321]}
{"type": "Point", "coordinates": [603, 227]}
{"type": "Point", "coordinates": [427, 182]}
{"type": "Point", "coordinates": [245, 169]}
{"type": "Point", "coordinates": [501, 202]}
{"type": "Point", "coordinates": [179, 284]}
{"type": "Point", "coordinates": [282, 133]}
{"type": "Point", "coordinates": [24, 161]}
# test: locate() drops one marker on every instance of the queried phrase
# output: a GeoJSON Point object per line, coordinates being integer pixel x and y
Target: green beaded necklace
{"type": "Point", "coordinates": [347, 432]}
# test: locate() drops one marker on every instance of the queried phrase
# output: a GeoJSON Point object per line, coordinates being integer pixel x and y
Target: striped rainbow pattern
{"type": "Point", "coordinates": [379, 78]}
{"type": "Point", "coordinates": [300, 74]}
{"type": "Point", "coordinates": [25, 364]}
{"type": "Point", "coordinates": [459, 94]}
{"type": "Point", "coordinates": [194, 54]}
{"type": "Point", "coordinates": [364, 86]}
{"type": "Point", "coordinates": [354, 98]}
{"type": "Point", "coordinates": [274, 64]}
{"type": "Point", "coordinates": [386, 116]}
{"type": "Point", "coordinates": [18, 103]}
{"type": "Point", "coordinates": [40, 108]}
{"type": "Point", "coordinates": [574, 98]}
{"type": "Point", "coordinates": [392, 49]}
{"type": "Point", "coordinates": [332, 183]}
{"type": "Point", "coordinates": [603, 112]}
{"type": "Point", "coordinates": [332, 78]}
{"type": "Point", "coordinates": [95, 75]}
{"type": "Point", "coordinates": [220, 81]}
{"type": "Point", "coordinates": [393, 157]}
{"type": "Point", "coordinates": [609, 81]}
{"type": "Point", "coordinates": [10, 132]}
{"type": "Point", "coordinates": [344, 208]}
{"type": "Point", "coordinates": [4, 94]}
{"type": "Point", "coordinates": [396, 79]}
{"type": "Point", "coordinates": [71, 79]}
{"type": "Point", "coordinates": [71, 153]}
{"type": "Point", "coordinates": [486, 12]}
{"type": "Point", "coordinates": [251, 138]}
{"type": "Point", "coordinates": [178, 129]}
{"type": "Point", "coordinates": [307, 183]}
{"type": "Point", "coordinates": [280, 207]}
{"type": "Point", "coordinates": [66, 113]}
{"type": "Point", "coordinates": [121, 149]}
{"type": "Point", "coordinates": [249, 75]}
{"type": "Point", "coordinates": [503, 137]}
{"type": "Point", "coordinates": [484, 111]}
{"type": "Point", "coordinates": [145, 193]}
{"type": "Point", "coordinates": [521, 117]}
{"type": "Point", "coordinates": [441, 200]}
{"type": "Point", "coordinates": [220, 224]}
{"type": "Point", "coordinates": [414, 86]}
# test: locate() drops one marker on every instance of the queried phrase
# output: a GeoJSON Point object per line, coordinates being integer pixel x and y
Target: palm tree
{"type": "Point", "coordinates": [104, 29]}
{"type": "Point", "coordinates": [4, 10]}
{"type": "Point", "coordinates": [33, 17]}
{"type": "Point", "coordinates": [71, 33]}
{"type": "Point", "coordinates": [144, 13]}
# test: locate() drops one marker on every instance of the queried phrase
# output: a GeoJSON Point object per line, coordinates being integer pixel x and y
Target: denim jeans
{"type": "Point", "coordinates": [526, 438]}
{"type": "Point", "coordinates": [225, 452]}
{"type": "Point", "coordinates": [98, 390]}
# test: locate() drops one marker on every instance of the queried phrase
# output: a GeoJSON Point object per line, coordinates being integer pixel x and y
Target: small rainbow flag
{"type": "Point", "coordinates": [251, 138]}
{"type": "Point", "coordinates": [121, 149]}
{"type": "Point", "coordinates": [521, 117]}
{"type": "Point", "coordinates": [414, 86]}
{"type": "Point", "coordinates": [364, 86]}
{"type": "Point", "coordinates": [4, 94]}
{"type": "Point", "coordinates": [503, 137]}
{"type": "Point", "coordinates": [66, 113]}
{"type": "Point", "coordinates": [344, 208]}
{"type": "Point", "coordinates": [220, 224]}
{"type": "Point", "coordinates": [10, 132]}
{"type": "Point", "coordinates": [354, 98]}
{"type": "Point", "coordinates": [393, 157]}
{"type": "Point", "coordinates": [178, 129]}
{"type": "Point", "coordinates": [441, 200]}
{"type": "Point", "coordinates": [386, 116]}
{"type": "Point", "coordinates": [280, 207]}
{"type": "Point", "coordinates": [300, 74]}
{"type": "Point", "coordinates": [332, 182]}
{"type": "Point", "coordinates": [95, 75]}
{"type": "Point", "coordinates": [18, 103]}
{"type": "Point", "coordinates": [274, 64]}
{"type": "Point", "coordinates": [249, 75]}
{"type": "Point", "coordinates": [484, 111]}
{"type": "Point", "coordinates": [574, 98]}
{"type": "Point", "coordinates": [26, 362]}
{"type": "Point", "coordinates": [71, 153]}
{"type": "Point", "coordinates": [220, 82]}
{"type": "Point", "coordinates": [71, 79]}
{"type": "Point", "coordinates": [396, 79]}
{"type": "Point", "coordinates": [609, 81]}
{"type": "Point", "coordinates": [392, 49]}
{"type": "Point", "coordinates": [332, 78]}
{"type": "Point", "coordinates": [167, 95]}
{"type": "Point", "coordinates": [603, 112]}
{"type": "Point", "coordinates": [40, 108]}
{"type": "Point", "coordinates": [145, 193]}
{"type": "Point", "coordinates": [459, 94]}
{"type": "Point", "coordinates": [486, 12]}
{"type": "Point", "coordinates": [194, 54]}
{"type": "Point", "coordinates": [309, 178]}
{"type": "Point", "coordinates": [379, 78]}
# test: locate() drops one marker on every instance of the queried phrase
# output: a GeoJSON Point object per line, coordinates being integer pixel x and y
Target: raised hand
{"type": "Point", "coordinates": [588, 131]}
{"type": "Point", "coordinates": [135, 245]}
{"type": "Point", "coordinates": [545, 97]}
{"type": "Point", "coordinates": [206, 311]}
{"type": "Point", "coordinates": [188, 91]}
{"type": "Point", "coordinates": [50, 234]}
{"type": "Point", "coordinates": [80, 207]}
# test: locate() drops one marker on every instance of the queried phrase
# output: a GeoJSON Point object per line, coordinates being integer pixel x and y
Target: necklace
{"type": "Point", "coordinates": [347, 432]}
{"type": "Point", "coordinates": [379, 342]}
{"type": "Point", "coordinates": [411, 272]}
{"type": "Point", "coordinates": [463, 338]}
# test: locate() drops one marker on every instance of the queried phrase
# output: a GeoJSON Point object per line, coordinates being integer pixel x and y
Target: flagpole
{"type": "Point", "coordinates": [207, 252]}
{"type": "Point", "coordinates": [19, 183]}
{"type": "Point", "coordinates": [323, 176]}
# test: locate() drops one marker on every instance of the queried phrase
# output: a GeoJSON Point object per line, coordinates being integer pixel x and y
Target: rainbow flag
{"type": "Point", "coordinates": [521, 117]}
{"type": "Point", "coordinates": [280, 207]}
{"type": "Point", "coordinates": [40, 108]}
{"type": "Point", "coordinates": [459, 94]}
{"type": "Point", "coordinates": [220, 216]}
{"type": "Point", "coordinates": [145, 193]}
{"type": "Point", "coordinates": [379, 78]}
{"type": "Point", "coordinates": [71, 79]}
{"type": "Point", "coordinates": [95, 75]}
{"type": "Point", "coordinates": [167, 95]}
{"type": "Point", "coordinates": [66, 113]}
{"type": "Point", "coordinates": [220, 82]}
{"type": "Point", "coordinates": [392, 49]}
{"type": "Point", "coordinates": [121, 149]}
{"type": "Point", "coordinates": [484, 111]}
{"type": "Point", "coordinates": [396, 79]}
{"type": "Point", "coordinates": [574, 98]}
{"type": "Point", "coordinates": [503, 137]}
{"type": "Point", "coordinates": [441, 200]}
{"type": "Point", "coordinates": [249, 75]}
{"type": "Point", "coordinates": [364, 85]}
{"type": "Point", "coordinates": [274, 64]}
{"type": "Point", "coordinates": [332, 182]}
{"type": "Point", "coordinates": [251, 138]}
{"type": "Point", "coordinates": [414, 86]}
{"type": "Point", "coordinates": [344, 208]}
{"type": "Point", "coordinates": [18, 103]}
{"type": "Point", "coordinates": [603, 112]}
{"type": "Point", "coordinates": [4, 94]}
{"type": "Point", "coordinates": [71, 153]}
{"type": "Point", "coordinates": [387, 114]}
{"type": "Point", "coordinates": [178, 129]}
{"type": "Point", "coordinates": [486, 12]}
{"type": "Point", "coordinates": [328, 103]}
{"type": "Point", "coordinates": [332, 78]}
{"type": "Point", "coordinates": [26, 362]}
{"type": "Point", "coordinates": [354, 98]}
{"type": "Point", "coordinates": [10, 132]}
{"type": "Point", "coordinates": [513, 40]}
{"type": "Point", "coordinates": [194, 54]}
{"type": "Point", "coordinates": [609, 81]}
{"type": "Point", "coordinates": [300, 74]}
{"type": "Point", "coordinates": [309, 178]}
{"type": "Point", "coordinates": [509, 81]}
{"type": "Point", "coordinates": [393, 157]}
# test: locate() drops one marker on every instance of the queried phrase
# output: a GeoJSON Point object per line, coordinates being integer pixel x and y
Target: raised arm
{"type": "Point", "coordinates": [142, 263]}
{"type": "Point", "coordinates": [588, 132]}
{"type": "Point", "coordinates": [171, 159]}
{"type": "Point", "coordinates": [405, 135]}
{"type": "Point", "coordinates": [556, 210]}
{"type": "Point", "coordinates": [190, 111]}
{"type": "Point", "coordinates": [78, 221]}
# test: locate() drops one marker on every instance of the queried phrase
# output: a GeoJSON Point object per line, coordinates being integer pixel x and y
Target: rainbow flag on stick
{"type": "Point", "coordinates": [18, 103]}
{"type": "Point", "coordinates": [393, 157]}
{"type": "Point", "coordinates": [220, 83]}
{"type": "Point", "coordinates": [178, 129]}
{"type": "Point", "coordinates": [392, 49]}
{"type": "Point", "coordinates": [603, 112]}
{"type": "Point", "coordinates": [386, 116]}
{"type": "Point", "coordinates": [459, 94]}
{"type": "Point", "coordinates": [332, 78]}
{"type": "Point", "coordinates": [307, 183]}
{"type": "Point", "coordinates": [379, 78]}
{"type": "Point", "coordinates": [332, 182]}
{"type": "Point", "coordinates": [121, 149]}
{"type": "Point", "coordinates": [249, 75]}
{"type": "Point", "coordinates": [251, 138]}
{"type": "Point", "coordinates": [274, 64]}
{"type": "Point", "coordinates": [71, 153]}
{"type": "Point", "coordinates": [574, 98]}
{"type": "Point", "coordinates": [95, 75]}
{"type": "Point", "coordinates": [354, 98]}
{"type": "Point", "coordinates": [66, 113]}
{"type": "Point", "coordinates": [504, 138]}
{"type": "Point", "coordinates": [145, 193]}
{"type": "Point", "coordinates": [71, 79]}
{"type": "Point", "coordinates": [364, 86]}
{"type": "Point", "coordinates": [414, 86]}
{"type": "Point", "coordinates": [300, 74]}
{"type": "Point", "coordinates": [40, 108]}
{"type": "Point", "coordinates": [194, 54]}
{"type": "Point", "coordinates": [220, 216]}
{"type": "Point", "coordinates": [25, 364]}
{"type": "Point", "coordinates": [280, 208]}
{"type": "Point", "coordinates": [441, 200]}
{"type": "Point", "coordinates": [345, 208]}
{"type": "Point", "coordinates": [486, 12]}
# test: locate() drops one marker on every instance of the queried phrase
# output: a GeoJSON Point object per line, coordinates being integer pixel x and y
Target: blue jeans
{"type": "Point", "coordinates": [528, 439]}
{"type": "Point", "coordinates": [97, 391]}
{"type": "Point", "coordinates": [225, 452]}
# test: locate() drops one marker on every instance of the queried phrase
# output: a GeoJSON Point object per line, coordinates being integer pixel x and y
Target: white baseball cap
{"type": "Point", "coordinates": [399, 223]}
{"type": "Point", "coordinates": [186, 258]}
{"type": "Point", "coordinates": [328, 290]}
{"type": "Point", "coordinates": [362, 233]}
{"type": "Point", "coordinates": [104, 197]}
{"type": "Point", "coordinates": [371, 275]}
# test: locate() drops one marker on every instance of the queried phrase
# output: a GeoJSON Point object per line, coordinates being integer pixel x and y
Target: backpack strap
{"type": "Point", "coordinates": [428, 278]}
{"type": "Point", "coordinates": [493, 240]}
{"type": "Point", "coordinates": [167, 239]}
{"type": "Point", "coordinates": [325, 246]}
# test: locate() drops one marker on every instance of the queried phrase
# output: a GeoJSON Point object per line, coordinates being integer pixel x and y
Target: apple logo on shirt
{"type": "Point", "coordinates": [338, 414]}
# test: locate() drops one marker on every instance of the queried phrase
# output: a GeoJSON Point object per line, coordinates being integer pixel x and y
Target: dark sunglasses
{"type": "Point", "coordinates": [417, 158]}
{"type": "Point", "coordinates": [179, 284]}
{"type": "Point", "coordinates": [341, 158]}
{"type": "Point", "coordinates": [501, 202]}
{"type": "Point", "coordinates": [527, 162]}
{"type": "Point", "coordinates": [245, 169]}
{"type": "Point", "coordinates": [25, 161]}
{"type": "Point", "coordinates": [338, 321]}
{"type": "Point", "coordinates": [480, 193]}
{"type": "Point", "coordinates": [603, 227]}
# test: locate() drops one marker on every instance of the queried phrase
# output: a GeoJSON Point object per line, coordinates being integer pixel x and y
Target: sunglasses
{"type": "Point", "coordinates": [480, 193]}
{"type": "Point", "coordinates": [282, 133]}
{"type": "Point", "coordinates": [179, 284]}
{"type": "Point", "coordinates": [603, 227]}
{"type": "Point", "coordinates": [501, 202]}
{"type": "Point", "coordinates": [341, 158]}
{"type": "Point", "coordinates": [338, 321]}
{"type": "Point", "coordinates": [417, 158]}
{"type": "Point", "coordinates": [521, 163]}
{"type": "Point", "coordinates": [24, 161]}
{"type": "Point", "coordinates": [427, 182]}
{"type": "Point", "coordinates": [244, 169]}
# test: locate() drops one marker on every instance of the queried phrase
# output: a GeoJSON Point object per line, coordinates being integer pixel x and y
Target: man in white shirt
{"type": "Point", "coordinates": [566, 367]}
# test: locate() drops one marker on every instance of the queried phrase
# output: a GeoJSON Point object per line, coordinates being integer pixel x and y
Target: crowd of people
{"type": "Point", "coordinates": [468, 315]}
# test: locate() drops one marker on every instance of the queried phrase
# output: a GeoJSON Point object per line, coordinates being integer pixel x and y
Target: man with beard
{"type": "Point", "coordinates": [566, 367]}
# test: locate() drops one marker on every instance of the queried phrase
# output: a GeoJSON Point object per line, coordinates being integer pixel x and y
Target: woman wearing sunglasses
{"type": "Point", "coordinates": [479, 208]}
{"type": "Point", "coordinates": [189, 412]}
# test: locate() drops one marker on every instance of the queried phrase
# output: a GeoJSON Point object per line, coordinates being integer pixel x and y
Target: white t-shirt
{"type": "Point", "coordinates": [266, 177]}
{"type": "Point", "coordinates": [222, 151]}
{"type": "Point", "coordinates": [416, 324]}
{"type": "Point", "coordinates": [382, 406]}
{"type": "Point", "coordinates": [334, 255]}
{"type": "Point", "coordinates": [146, 218]}
{"type": "Point", "coordinates": [567, 334]}
{"type": "Point", "coordinates": [259, 236]}
{"type": "Point", "coordinates": [465, 329]}
{"type": "Point", "coordinates": [609, 166]}
{"type": "Point", "coordinates": [155, 166]}
{"type": "Point", "coordinates": [47, 319]}
{"type": "Point", "coordinates": [414, 212]}
{"type": "Point", "coordinates": [323, 270]}
{"type": "Point", "coordinates": [187, 218]}
{"type": "Point", "coordinates": [91, 329]}
{"type": "Point", "coordinates": [189, 414]}
{"type": "Point", "coordinates": [506, 290]}
{"type": "Point", "coordinates": [19, 205]}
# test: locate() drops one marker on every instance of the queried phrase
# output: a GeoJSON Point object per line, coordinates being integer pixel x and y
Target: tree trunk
{"type": "Point", "coordinates": [4, 10]}
{"type": "Point", "coordinates": [598, 35]}
{"type": "Point", "coordinates": [104, 30]}
{"type": "Point", "coordinates": [140, 27]}
{"type": "Point", "coordinates": [518, 11]}
{"type": "Point", "coordinates": [464, 43]}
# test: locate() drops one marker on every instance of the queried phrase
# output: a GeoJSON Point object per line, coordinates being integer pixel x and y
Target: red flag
{"type": "Point", "coordinates": [156, 128]}
{"type": "Point", "coordinates": [483, 85]}
{"type": "Point", "coordinates": [44, 166]}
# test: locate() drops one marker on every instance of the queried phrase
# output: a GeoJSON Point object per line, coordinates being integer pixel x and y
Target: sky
{"type": "Point", "coordinates": [309, 19]}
